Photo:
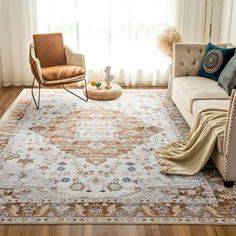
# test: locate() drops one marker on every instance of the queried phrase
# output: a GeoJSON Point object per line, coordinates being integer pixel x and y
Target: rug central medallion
{"type": "Point", "coordinates": [96, 133]}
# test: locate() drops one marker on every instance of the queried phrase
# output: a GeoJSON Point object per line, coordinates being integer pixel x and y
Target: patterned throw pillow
{"type": "Point", "coordinates": [227, 79]}
{"type": "Point", "coordinates": [214, 61]}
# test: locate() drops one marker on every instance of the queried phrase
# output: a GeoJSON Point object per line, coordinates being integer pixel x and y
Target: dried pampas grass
{"type": "Point", "coordinates": [167, 39]}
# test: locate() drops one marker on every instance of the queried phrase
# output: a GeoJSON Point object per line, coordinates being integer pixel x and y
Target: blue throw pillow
{"type": "Point", "coordinates": [214, 61]}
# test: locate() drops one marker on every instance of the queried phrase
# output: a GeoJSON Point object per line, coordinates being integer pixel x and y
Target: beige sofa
{"type": "Point", "coordinates": [191, 94]}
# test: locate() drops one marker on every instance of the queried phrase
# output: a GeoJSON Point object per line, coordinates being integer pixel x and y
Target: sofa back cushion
{"type": "Point", "coordinates": [49, 49]}
{"type": "Point", "coordinates": [187, 58]}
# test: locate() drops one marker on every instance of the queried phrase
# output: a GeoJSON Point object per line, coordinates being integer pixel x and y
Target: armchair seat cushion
{"type": "Point", "coordinates": [62, 72]}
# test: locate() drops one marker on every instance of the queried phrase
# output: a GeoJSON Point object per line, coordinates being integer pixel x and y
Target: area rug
{"type": "Point", "coordinates": [94, 163]}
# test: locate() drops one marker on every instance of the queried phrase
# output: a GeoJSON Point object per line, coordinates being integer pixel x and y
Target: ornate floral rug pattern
{"type": "Point", "coordinates": [76, 162]}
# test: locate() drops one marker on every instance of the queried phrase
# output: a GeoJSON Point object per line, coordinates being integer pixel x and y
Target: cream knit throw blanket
{"type": "Point", "coordinates": [189, 157]}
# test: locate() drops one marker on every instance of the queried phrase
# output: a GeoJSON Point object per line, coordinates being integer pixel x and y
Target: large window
{"type": "Point", "coordinates": [120, 33]}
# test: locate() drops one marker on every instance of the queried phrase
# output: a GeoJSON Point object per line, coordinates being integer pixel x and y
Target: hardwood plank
{"type": "Point", "coordinates": [7, 96]}
{"type": "Point", "coordinates": [116, 230]}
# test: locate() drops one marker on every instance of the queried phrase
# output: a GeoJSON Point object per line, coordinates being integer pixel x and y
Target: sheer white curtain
{"type": "Point", "coordinates": [192, 23]}
{"type": "Point", "coordinates": [121, 34]}
{"type": "Point", "coordinates": [15, 36]}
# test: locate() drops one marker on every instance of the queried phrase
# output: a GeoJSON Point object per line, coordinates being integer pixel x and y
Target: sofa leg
{"type": "Point", "coordinates": [228, 184]}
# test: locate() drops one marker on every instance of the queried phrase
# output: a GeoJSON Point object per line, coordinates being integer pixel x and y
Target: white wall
{"type": "Point", "coordinates": [216, 20]}
{"type": "Point", "coordinates": [228, 22]}
{"type": "Point", "coordinates": [233, 24]}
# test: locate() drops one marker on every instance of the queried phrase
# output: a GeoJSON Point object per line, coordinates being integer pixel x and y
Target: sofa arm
{"type": "Point", "coordinates": [73, 58]}
{"type": "Point", "coordinates": [230, 141]}
{"type": "Point", "coordinates": [187, 58]}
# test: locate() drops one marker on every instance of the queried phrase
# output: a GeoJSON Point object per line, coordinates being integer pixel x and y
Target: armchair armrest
{"type": "Point", "coordinates": [73, 58]}
{"type": "Point", "coordinates": [187, 58]}
{"type": "Point", "coordinates": [230, 141]}
{"type": "Point", "coordinates": [35, 65]}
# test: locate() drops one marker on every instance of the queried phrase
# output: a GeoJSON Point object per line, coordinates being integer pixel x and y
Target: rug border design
{"type": "Point", "coordinates": [111, 221]}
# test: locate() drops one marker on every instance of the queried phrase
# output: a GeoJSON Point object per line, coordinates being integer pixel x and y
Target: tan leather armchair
{"type": "Point", "coordinates": [52, 64]}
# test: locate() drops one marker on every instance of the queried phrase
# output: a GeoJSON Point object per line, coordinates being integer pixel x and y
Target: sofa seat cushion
{"type": "Point", "coordinates": [61, 72]}
{"type": "Point", "coordinates": [193, 88]}
{"type": "Point", "coordinates": [199, 105]}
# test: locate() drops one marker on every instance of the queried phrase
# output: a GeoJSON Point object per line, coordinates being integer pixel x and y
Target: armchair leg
{"type": "Point", "coordinates": [84, 99]}
{"type": "Point", "coordinates": [32, 92]}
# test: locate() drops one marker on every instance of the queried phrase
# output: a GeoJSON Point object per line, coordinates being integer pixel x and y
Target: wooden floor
{"type": "Point", "coordinates": [7, 96]}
